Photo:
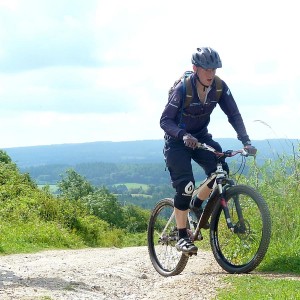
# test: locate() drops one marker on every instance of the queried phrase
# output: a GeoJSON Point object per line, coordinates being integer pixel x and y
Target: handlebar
{"type": "Point", "coordinates": [227, 153]}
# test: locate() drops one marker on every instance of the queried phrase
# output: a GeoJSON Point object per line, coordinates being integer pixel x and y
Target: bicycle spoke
{"type": "Point", "coordinates": [239, 248]}
{"type": "Point", "coordinates": [242, 249]}
{"type": "Point", "coordinates": [162, 237]}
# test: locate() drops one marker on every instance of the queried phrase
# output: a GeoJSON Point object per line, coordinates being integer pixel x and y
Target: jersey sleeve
{"type": "Point", "coordinates": [230, 108]}
{"type": "Point", "coordinates": [170, 117]}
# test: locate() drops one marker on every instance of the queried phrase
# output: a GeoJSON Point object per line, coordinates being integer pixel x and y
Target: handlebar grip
{"type": "Point", "coordinates": [245, 152]}
{"type": "Point", "coordinates": [250, 151]}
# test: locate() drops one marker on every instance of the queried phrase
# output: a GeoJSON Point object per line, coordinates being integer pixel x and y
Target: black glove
{"type": "Point", "coordinates": [190, 141]}
{"type": "Point", "coordinates": [251, 150]}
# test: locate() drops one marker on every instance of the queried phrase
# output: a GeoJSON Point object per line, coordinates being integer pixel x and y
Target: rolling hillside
{"type": "Point", "coordinates": [147, 151]}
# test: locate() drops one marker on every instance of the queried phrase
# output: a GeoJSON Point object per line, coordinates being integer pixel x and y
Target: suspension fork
{"type": "Point", "coordinates": [241, 228]}
{"type": "Point", "coordinates": [223, 203]}
{"type": "Point", "coordinates": [238, 210]}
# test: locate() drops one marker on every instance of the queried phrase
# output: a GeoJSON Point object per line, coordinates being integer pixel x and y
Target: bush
{"type": "Point", "coordinates": [33, 219]}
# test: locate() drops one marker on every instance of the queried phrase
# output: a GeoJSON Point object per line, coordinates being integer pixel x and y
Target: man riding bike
{"type": "Point", "coordinates": [184, 129]}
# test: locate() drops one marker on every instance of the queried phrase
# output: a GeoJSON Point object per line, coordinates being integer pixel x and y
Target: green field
{"type": "Point", "coordinates": [131, 185]}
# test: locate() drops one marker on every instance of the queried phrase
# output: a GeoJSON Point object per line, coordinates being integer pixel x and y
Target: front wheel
{"type": "Point", "coordinates": [241, 249]}
{"type": "Point", "coordinates": [162, 237]}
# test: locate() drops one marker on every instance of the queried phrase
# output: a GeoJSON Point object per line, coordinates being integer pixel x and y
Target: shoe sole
{"type": "Point", "coordinates": [188, 252]}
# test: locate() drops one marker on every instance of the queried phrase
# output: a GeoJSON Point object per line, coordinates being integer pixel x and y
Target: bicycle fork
{"type": "Point", "coordinates": [224, 205]}
{"type": "Point", "coordinates": [234, 228]}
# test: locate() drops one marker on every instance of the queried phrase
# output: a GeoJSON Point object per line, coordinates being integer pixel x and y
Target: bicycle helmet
{"type": "Point", "coordinates": [206, 58]}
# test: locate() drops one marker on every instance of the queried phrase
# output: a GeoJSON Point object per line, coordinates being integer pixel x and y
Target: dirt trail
{"type": "Point", "coordinates": [103, 273]}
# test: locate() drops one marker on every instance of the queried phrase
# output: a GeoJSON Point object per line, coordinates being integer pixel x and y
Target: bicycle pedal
{"type": "Point", "coordinates": [206, 226]}
{"type": "Point", "coordinates": [189, 254]}
{"type": "Point", "coordinates": [199, 237]}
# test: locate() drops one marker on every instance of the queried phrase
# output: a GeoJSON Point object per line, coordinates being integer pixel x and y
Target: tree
{"type": "Point", "coordinates": [105, 205]}
{"type": "Point", "coordinates": [135, 218]}
{"type": "Point", "coordinates": [4, 157]}
{"type": "Point", "coordinates": [73, 186]}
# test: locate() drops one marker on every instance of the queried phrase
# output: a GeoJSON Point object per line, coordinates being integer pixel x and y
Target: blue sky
{"type": "Point", "coordinates": [74, 71]}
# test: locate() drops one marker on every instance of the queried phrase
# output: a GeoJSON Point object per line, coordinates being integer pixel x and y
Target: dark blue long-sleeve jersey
{"type": "Point", "coordinates": [196, 116]}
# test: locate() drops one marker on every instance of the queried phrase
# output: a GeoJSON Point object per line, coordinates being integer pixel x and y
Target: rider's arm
{"type": "Point", "coordinates": [229, 106]}
{"type": "Point", "coordinates": [170, 117]}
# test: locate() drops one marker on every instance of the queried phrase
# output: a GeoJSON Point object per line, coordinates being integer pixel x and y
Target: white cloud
{"type": "Point", "coordinates": [9, 4]}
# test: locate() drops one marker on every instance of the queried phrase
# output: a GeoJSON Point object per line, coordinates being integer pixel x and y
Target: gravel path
{"type": "Point", "coordinates": [103, 273]}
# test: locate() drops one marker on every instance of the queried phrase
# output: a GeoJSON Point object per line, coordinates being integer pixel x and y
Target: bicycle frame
{"type": "Point", "coordinates": [222, 183]}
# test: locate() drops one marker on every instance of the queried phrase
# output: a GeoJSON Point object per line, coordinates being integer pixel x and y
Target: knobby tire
{"type": "Point", "coordinates": [243, 250]}
{"type": "Point", "coordinates": [165, 258]}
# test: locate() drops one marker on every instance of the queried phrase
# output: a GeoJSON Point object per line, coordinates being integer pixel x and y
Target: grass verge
{"type": "Point", "coordinates": [253, 287]}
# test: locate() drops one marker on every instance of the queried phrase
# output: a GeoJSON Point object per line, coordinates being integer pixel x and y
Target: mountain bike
{"type": "Point", "coordinates": [239, 227]}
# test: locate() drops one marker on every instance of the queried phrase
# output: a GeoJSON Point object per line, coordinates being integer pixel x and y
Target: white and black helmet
{"type": "Point", "coordinates": [206, 58]}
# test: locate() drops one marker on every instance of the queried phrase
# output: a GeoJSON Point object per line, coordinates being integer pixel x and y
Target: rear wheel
{"type": "Point", "coordinates": [162, 237]}
{"type": "Point", "coordinates": [243, 249]}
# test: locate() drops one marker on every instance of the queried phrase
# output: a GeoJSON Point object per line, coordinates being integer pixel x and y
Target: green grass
{"type": "Point", "coordinates": [278, 182]}
{"type": "Point", "coordinates": [31, 237]}
{"type": "Point", "coordinates": [284, 251]}
{"type": "Point", "coordinates": [135, 239]}
{"type": "Point", "coordinates": [37, 236]}
{"type": "Point", "coordinates": [253, 287]}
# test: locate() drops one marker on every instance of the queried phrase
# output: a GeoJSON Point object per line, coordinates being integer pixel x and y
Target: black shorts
{"type": "Point", "coordinates": [179, 159]}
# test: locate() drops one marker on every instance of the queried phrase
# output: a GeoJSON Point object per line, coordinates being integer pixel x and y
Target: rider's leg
{"type": "Point", "coordinates": [182, 200]}
{"type": "Point", "coordinates": [203, 193]}
{"type": "Point", "coordinates": [178, 160]}
{"type": "Point", "coordinates": [181, 217]}
{"type": "Point", "coordinates": [197, 202]}
{"type": "Point", "coordinates": [184, 191]}
{"type": "Point", "coordinates": [208, 161]}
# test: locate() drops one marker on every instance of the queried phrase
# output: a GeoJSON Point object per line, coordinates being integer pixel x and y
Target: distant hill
{"type": "Point", "coordinates": [147, 151]}
{"type": "Point", "coordinates": [70, 154]}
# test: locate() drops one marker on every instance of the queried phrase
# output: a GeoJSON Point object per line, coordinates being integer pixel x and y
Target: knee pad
{"type": "Point", "coordinates": [184, 192]}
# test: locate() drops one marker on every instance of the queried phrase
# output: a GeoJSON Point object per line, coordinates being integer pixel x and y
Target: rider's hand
{"type": "Point", "coordinates": [251, 150]}
{"type": "Point", "coordinates": [190, 141]}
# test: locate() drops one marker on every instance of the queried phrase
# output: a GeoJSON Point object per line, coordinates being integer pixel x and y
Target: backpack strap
{"type": "Point", "coordinates": [188, 91]}
{"type": "Point", "coordinates": [186, 94]}
{"type": "Point", "coordinates": [218, 87]}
